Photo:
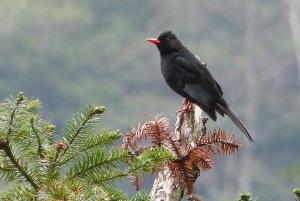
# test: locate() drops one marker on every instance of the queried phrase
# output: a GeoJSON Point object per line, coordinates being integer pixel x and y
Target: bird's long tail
{"type": "Point", "coordinates": [236, 121]}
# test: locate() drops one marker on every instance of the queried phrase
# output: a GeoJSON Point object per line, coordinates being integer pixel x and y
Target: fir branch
{"type": "Point", "coordinates": [113, 194]}
{"type": "Point", "coordinates": [35, 132]}
{"type": "Point", "coordinates": [92, 141]}
{"type": "Point", "coordinates": [245, 196]}
{"type": "Point", "coordinates": [141, 196]}
{"type": "Point", "coordinates": [18, 193]}
{"type": "Point", "coordinates": [219, 142]}
{"type": "Point", "coordinates": [106, 176]}
{"type": "Point", "coordinates": [131, 138]}
{"type": "Point", "coordinates": [151, 159]}
{"type": "Point", "coordinates": [8, 173]}
{"type": "Point", "coordinates": [57, 190]}
{"type": "Point", "coordinates": [19, 99]}
{"type": "Point", "coordinates": [200, 158]}
{"type": "Point", "coordinates": [158, 130]}
{"type": "Point", "coordinates": [95, 160]}
{"type": "Point", "coordinates": [5, 169]}
{"type": "Point", "coordinates": [148, 161]}
{"type": "Point", "coordinates": [79, 123]}
{"type": "Point", "coordinates": [296, 191]}
{"type": "Point", "coordinates": [31, 157]}
{"type": "Point", "coordinates": [7, 149]}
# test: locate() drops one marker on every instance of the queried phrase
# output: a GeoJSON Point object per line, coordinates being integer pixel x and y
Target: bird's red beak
{"type": "Point", "coordinates": [153, 40]}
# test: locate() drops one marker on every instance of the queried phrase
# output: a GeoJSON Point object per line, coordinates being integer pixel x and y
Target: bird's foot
{"type": "Point", "coordinates": [186, 107]}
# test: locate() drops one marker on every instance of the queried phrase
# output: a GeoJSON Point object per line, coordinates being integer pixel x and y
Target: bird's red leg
{"type": "Point", "coordinates": [186, 106]}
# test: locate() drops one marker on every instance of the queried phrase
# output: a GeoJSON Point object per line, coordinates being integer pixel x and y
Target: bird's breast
{"type": "Point", "coordinates": [167, 70]}
{"type": "Point", "coordinates": [169, 74]}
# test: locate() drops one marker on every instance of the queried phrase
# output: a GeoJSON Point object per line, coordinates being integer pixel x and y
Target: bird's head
{"type": "Point", "coordinates": [166, 43]}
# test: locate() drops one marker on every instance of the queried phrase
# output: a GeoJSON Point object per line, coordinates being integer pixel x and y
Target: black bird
{"type": "Point", "coordinates": [190, 78]}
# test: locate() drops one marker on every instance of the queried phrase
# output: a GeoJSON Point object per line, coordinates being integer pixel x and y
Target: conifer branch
{"type": "Point", "coordinates": [76, 134]}
{"type": "Point", "coordinates": [18, 193]}
{"type": "Point", "coordinates": [245, 196]}
{"type": "Point", "coordinates": [296, 191]}
{"type": "Point", "coordinates": [6, 169]}
{"type": "Point", "coordinates": [100, 178]}
{"type": "Point", "coordinates": [148, 160]}
{"type": "Point", "coordinates": [141, 196]}
{"type": "Point", "coordinates": [95, 160]}
{"type": "Point", "coordinates": [4, 145]}
{"type": "Point", "coordinates": [19, 99]}
{"type": "Point", "coordinates": [112, 193]}
{"type": "Point", "coordinates": [31, 157]}
{"type": "Point", "coordinates": [92, 141]}
{"type": "Point", "coordinates": [35, 132]}
{"type": "Point", "coordinates": [92, 111]}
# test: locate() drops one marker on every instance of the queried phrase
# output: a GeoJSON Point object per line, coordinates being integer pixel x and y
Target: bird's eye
{"type": "Point", "coordinates": [167, 38]}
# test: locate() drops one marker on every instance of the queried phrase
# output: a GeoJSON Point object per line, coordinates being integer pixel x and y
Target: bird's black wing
{"type": "Point", "coordinates": [197, 80]}
{"type": "Point", "coordinates": [219, 88]}
{"type": "Point", "coordinates": [204, 90]}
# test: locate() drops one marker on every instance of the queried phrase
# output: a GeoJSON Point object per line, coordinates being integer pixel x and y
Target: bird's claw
{"type": "Point", "coordinates": [186, 107]}
{"type": "Point", "coordinates": [184, 110]}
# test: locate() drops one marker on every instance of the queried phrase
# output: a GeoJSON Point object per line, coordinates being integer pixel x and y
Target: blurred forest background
{"type": "Point", "coordinates": [70, 53]}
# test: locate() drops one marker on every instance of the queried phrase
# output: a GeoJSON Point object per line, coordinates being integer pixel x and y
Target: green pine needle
{"type": "Point", "coordinates": [93, 141]}
{"type": "Point", "coordinates": [245, 196]}
{"type": "Point", "coordinates": [18, 193]}
{"type": "Point", "coordinates": [81, 125]}
{"type": "Point", "coordinates": [113, 194]}
{"type": "Point", "coordinates": [296, 191]}
{"type": "Point", "coordinates": [106, 177]}
{"type": "Point", "coordinates": [96, 160]}
{"type": "Point", "coordinates": [83, 165]}
{"type": "Point", "coordinates": [151, 159]}
{"type": "Point", "coordinates": [141, 196]}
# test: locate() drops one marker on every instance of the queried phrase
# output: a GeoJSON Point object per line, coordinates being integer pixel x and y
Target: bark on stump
{"type": "Point", "coordinates": [188, 127]}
